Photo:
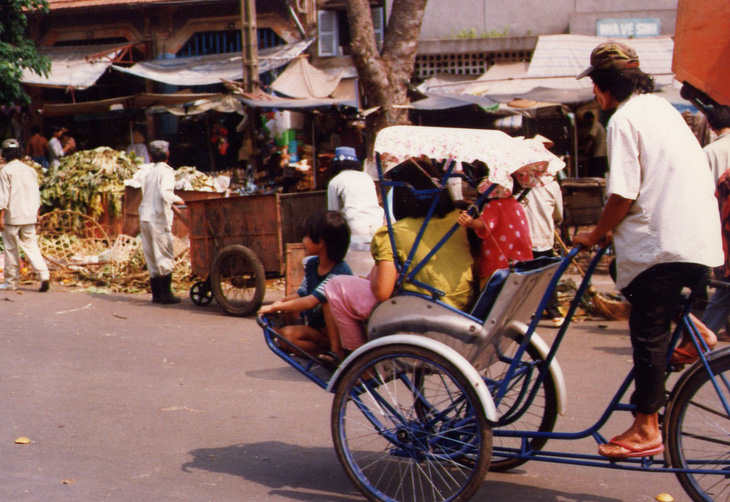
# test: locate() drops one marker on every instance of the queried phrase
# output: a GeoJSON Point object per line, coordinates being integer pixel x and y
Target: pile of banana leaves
{"type": "Point", "coordinates": [90, 182]}
{"type": "Point", "coordinates": [189, 178]}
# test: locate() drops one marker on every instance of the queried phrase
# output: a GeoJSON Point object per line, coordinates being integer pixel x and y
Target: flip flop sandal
{"type": "Point", "coordinates": [329, 360]}
{"type": "Point", "coordinates": [633, 451]}
{"type": "Point", "coordinates": [684, 355]}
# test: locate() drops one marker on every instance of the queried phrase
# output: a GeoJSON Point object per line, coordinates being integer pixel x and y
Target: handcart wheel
{"type": "Point", "coordinates": [541, 414]}
{"type": "Point", "coordinates": [696, 430]}
{"type": "Point", "coordinates": [201, 294]}
{"type": "Point", "coordinates": [238, 280]}
{"type": "Point", "coordinates": [401, 441]}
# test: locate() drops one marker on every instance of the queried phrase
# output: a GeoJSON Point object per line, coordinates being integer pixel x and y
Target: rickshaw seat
{"type": "Point", "coordinates": [541, 268]}
{"type": "Point", "coordinates": [489, 294]}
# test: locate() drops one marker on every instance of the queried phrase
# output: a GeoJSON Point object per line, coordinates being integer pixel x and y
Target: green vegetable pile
{"type": "Point", "coordinates": [90, 182]}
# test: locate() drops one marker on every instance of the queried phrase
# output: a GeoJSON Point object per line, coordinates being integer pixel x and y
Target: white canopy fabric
{"type": "Point", "coordinates": [212, 69]}
{"type": "Point", "coordinates": [73, 66]}
{"type": "Point", "coordinates": [503, 154]}
{"type": "Point", "coordinates": [496, 75]}
{"type": "Point", "coordinates": [302, 80]}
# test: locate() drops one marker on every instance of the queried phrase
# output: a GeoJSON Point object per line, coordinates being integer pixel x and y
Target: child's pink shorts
{"type": "Point", "coordinates": [351, 301]}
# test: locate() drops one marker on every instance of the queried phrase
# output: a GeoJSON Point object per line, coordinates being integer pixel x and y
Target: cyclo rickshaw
{"type": "Point", "coordinates": [437, 396]}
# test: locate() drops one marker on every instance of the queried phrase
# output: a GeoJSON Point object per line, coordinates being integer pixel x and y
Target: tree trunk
{"type": "Point", "coordinates": [385, 75]}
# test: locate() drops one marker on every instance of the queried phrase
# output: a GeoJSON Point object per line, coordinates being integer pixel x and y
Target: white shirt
{"type": "Point", "coordinates": [19, 194]}
{"type": "Point", "coordinates": [656, 161]}
{"type": "Point", "coordinates": [718, 155]}
{"type": "Point", "coordinates": [158, 194]}
{"type": "Point", "coordinates": [544, 209]}
{"type": "Point", "coordinates": [55, 151]}
{"type": "Point", "coordinates": [353, 193]}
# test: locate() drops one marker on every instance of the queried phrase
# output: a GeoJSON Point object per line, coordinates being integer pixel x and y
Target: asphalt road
{"type": "Point", "coordinates": [124, 400]}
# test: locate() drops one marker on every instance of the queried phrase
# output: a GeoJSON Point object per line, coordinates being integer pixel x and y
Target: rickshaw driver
{"type": "Point", "coordinates": [664, 221]}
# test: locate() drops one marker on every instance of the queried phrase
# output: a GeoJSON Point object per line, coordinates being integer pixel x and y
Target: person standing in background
{"type": "Point", "coordinates": [137, 146]}
{"type": "Point", "coordinates": [19, 203]}
{"type": "Point", "coordinates": [353, 193]}
{"type": "Point", "coordinates": [55, 148]}
{"type": "Point", "coordinates": [596, 148]}
{"type": "Point", "coordinates": [68, 143]}
{"type": "Point", "coordinates": [155, 221]}
{"type": "Point", "coordinates": [718, 155]}
{"type": "Point", "coordinates": [38, 147]}
{"type": "Point", "coordinates": [544, 210]}
{"type": "Point", "coordinates": [718, 151]}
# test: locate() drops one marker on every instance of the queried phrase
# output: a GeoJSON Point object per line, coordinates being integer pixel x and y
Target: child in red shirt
{"type": "Point", "coordinates": [505, 234]}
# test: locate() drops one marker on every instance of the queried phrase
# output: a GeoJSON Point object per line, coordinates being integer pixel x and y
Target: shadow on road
{"type": "Point", "coordinates": [289, 470]}
{"type": "Point", "coordinates": [314, 473]}
{"type": "Point", "coordinates": [503, 490]}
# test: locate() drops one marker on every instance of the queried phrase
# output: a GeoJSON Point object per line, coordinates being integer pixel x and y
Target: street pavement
{"type": "Point", "coordinates": [124, 400]}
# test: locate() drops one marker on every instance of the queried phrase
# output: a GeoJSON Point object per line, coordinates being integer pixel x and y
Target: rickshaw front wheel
{"type": "Point", "coordinates": [408, 426]}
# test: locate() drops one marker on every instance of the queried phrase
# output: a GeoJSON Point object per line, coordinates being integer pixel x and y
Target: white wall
{"type": "Point", "coordinates": [446, 18]}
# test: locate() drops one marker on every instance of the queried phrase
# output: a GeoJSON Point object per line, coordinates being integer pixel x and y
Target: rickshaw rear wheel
{"type": "Point", "coordinates": [238, 280]}
{"type": "Point", "coordinates": [697, 432]}
{"type": "Point", "coordinates": [408, 426]}
{"type": "Point", "coordinates": [540, 416]}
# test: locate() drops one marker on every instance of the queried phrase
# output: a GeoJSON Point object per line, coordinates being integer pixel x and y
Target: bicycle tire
{"type": "Point", "coordinates": [697, 431]}
{"type": "Point", "coordinates": [392, 451]}
{"type": "Point", "coordinates": [540, 416]}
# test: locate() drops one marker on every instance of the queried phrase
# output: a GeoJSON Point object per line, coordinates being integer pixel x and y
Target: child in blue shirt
{"type": "Point", "coordinates": [326, 240]}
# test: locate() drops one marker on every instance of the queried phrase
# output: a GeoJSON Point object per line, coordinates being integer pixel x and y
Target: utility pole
{"type": "Point", "coordinates": [249, 36]}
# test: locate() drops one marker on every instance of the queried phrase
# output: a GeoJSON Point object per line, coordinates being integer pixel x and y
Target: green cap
{"type": "Point", "coordinates": [611, 56]}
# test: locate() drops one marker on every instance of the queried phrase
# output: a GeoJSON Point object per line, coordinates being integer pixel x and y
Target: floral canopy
{"type": "Point", "coordinates": [527, 159]}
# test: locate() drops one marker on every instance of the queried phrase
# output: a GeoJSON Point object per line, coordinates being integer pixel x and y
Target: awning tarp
{"type": "Point", "coordinates": [557, 59]}
{"type": "Point", "coordinates": [212, 69]}
{"type": "Point", "coordinates": [435, 101]}
{"type": "Point", "coordinates": [569, 55]}
{"type": "Point", "coordinates": [135, 102]}
{"type": "Point", "coordinates": [72, 67]}
{"type": "Point", "coordinates": [223, 103]}
{"type": "Point", "coordinates": [302, 80]}
{"type": "Point", "coordinates": [298, 104]}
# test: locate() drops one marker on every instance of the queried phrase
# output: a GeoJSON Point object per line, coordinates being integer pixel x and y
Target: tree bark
{"type": "Point", "coordinates": [386, 74]}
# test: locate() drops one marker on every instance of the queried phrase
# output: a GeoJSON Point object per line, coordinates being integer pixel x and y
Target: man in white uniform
{"type": "Point", "coordinates": [155, 221]}
{"type": "Point", "coordinates": [352, 192]}
{"type": "Point", "coordinates": [19, 203]}
{"type": "Point", "coordinates": [665, 224]}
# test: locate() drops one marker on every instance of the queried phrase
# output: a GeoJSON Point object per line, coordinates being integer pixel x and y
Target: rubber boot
{"type": "Point", "coordinates": [155, 287]}
{"type": "Point", "coordinates": [166, 296]}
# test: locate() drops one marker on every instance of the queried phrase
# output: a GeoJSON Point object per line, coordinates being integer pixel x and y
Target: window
{"type": "Point", "coordinates": [224, 42]}
{"type": "Point", "coordinates": [334, 31]}
{"type": "Point", "coordinates": [329, 40]}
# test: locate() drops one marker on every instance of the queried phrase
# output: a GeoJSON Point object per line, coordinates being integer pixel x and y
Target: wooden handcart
{"type": "Point", "coordinates": [236, 241]}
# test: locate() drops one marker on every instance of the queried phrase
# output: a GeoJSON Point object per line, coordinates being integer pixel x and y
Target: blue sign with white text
{"type": "Point", "coordinates": [628, 28]}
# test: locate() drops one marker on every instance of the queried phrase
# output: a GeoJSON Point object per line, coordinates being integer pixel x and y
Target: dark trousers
{"type": "Point", "coordinates": [551, 309]}
{"type": "Point", "coordinates": [654, 295]}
